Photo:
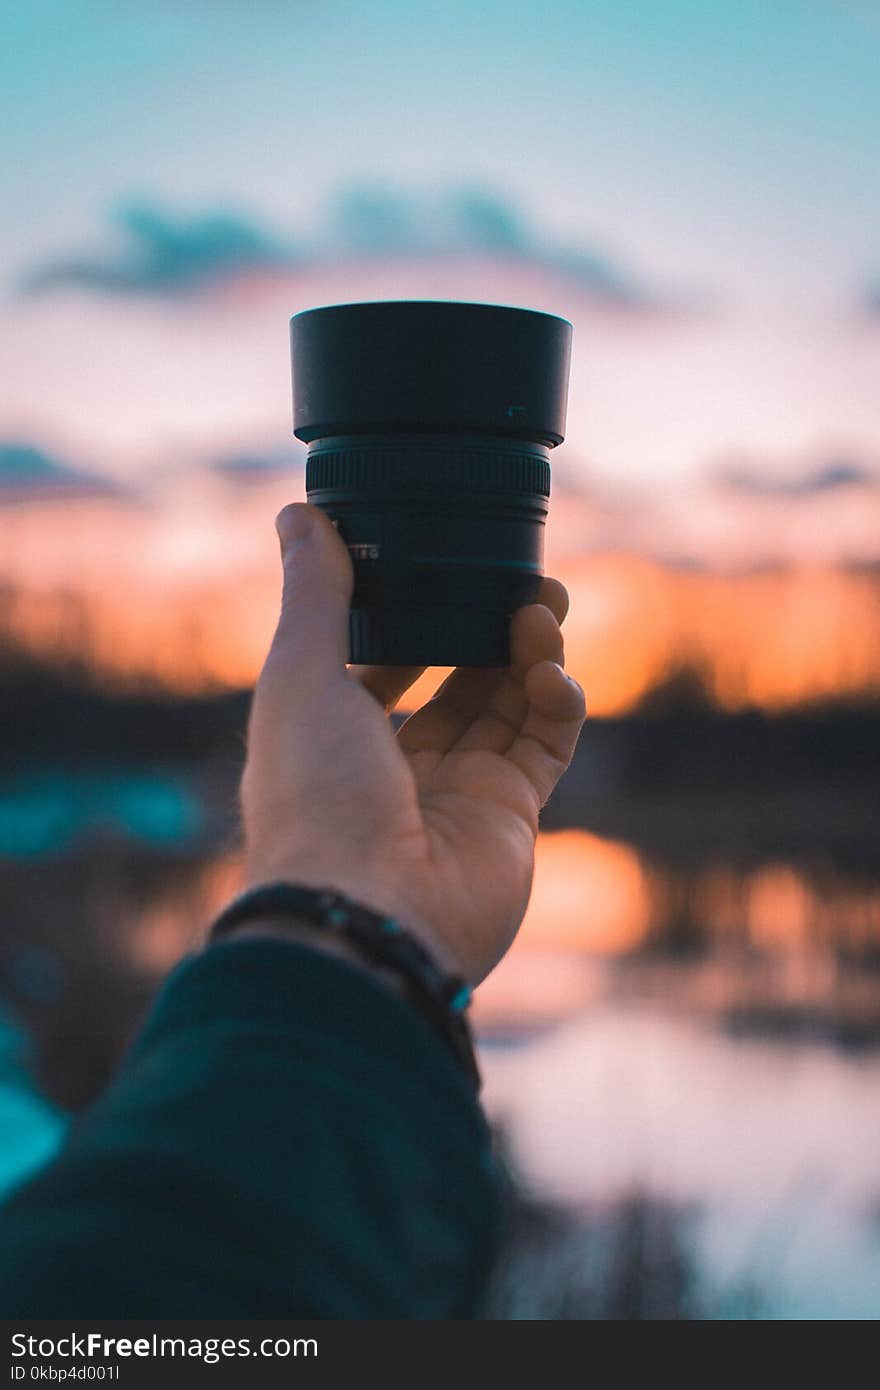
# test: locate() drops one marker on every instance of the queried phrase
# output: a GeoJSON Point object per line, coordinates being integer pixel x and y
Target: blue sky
{"type": "Point", "coordinates": [711, 154]}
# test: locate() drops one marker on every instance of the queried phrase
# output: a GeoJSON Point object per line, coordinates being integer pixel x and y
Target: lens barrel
{"type": "Point", "coordinates": [429, 427]}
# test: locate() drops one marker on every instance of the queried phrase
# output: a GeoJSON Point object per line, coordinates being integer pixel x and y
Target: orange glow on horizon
{"type": "Point", "coordinates": [186, 599]}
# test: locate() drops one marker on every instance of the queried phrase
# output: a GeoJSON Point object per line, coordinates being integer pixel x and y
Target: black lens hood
{"type": "Point", "coordinates": [430, 366]}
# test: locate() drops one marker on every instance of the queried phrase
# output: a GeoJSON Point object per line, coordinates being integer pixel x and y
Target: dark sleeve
{"type": "Point", "coordinates": [286, 1138]}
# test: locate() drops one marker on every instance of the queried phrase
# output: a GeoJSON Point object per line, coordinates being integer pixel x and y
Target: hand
{"type": "Point", "coordinates": [435, 826]}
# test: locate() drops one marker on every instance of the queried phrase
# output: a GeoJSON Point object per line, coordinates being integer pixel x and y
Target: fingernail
{"type": "Point", "coordinates": [294, 522]}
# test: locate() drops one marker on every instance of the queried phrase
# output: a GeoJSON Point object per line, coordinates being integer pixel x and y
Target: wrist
{"type": "Point", "coordinates": [378, 893]}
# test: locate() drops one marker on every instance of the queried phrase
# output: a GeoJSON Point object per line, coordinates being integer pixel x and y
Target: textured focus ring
{"type": "Point", "coordinates": [414, 469]}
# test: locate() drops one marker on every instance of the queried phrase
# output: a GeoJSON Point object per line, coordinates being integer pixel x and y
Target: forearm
{"type": "Point", "coordinates": [286, 1138]}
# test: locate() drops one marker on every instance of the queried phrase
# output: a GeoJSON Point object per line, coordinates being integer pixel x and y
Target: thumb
{"type": "Point", "coordinates": [312, 633]}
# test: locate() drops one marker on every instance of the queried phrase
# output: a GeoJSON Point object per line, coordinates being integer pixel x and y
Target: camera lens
{"type": "Point", "coordinates": [429, 426]}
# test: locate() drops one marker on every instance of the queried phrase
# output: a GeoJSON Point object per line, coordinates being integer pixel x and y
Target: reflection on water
{"type": "Point", "coordinates": [588, 894]}
{"type": "Point", "coordinates": [772, 1149]}
{"type": "Point", "coordinates": [594, 894]}
{"type": "Point", "coordinates": [782, 948]}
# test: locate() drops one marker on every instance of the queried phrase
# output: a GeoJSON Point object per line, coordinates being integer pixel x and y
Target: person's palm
{"type": "Point", "coordinates": [435, 825]}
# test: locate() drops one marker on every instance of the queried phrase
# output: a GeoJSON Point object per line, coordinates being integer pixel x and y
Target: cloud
{"type": "Point", "coordinates": [260, 467]}
{"type": "Point", "coordinates": [27, 474]}
{"type": "Point", "coordinates": [164, 255]}
{"type": "Point", "coordinates": [383, 221]}
{"type": "Point", "coordinates": [830, 476]}
{"type": "Point", "coordinates": [167, 256]}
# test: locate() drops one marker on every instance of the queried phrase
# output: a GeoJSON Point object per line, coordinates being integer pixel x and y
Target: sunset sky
{"type": "Point", "coordinates": [694, 186]}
